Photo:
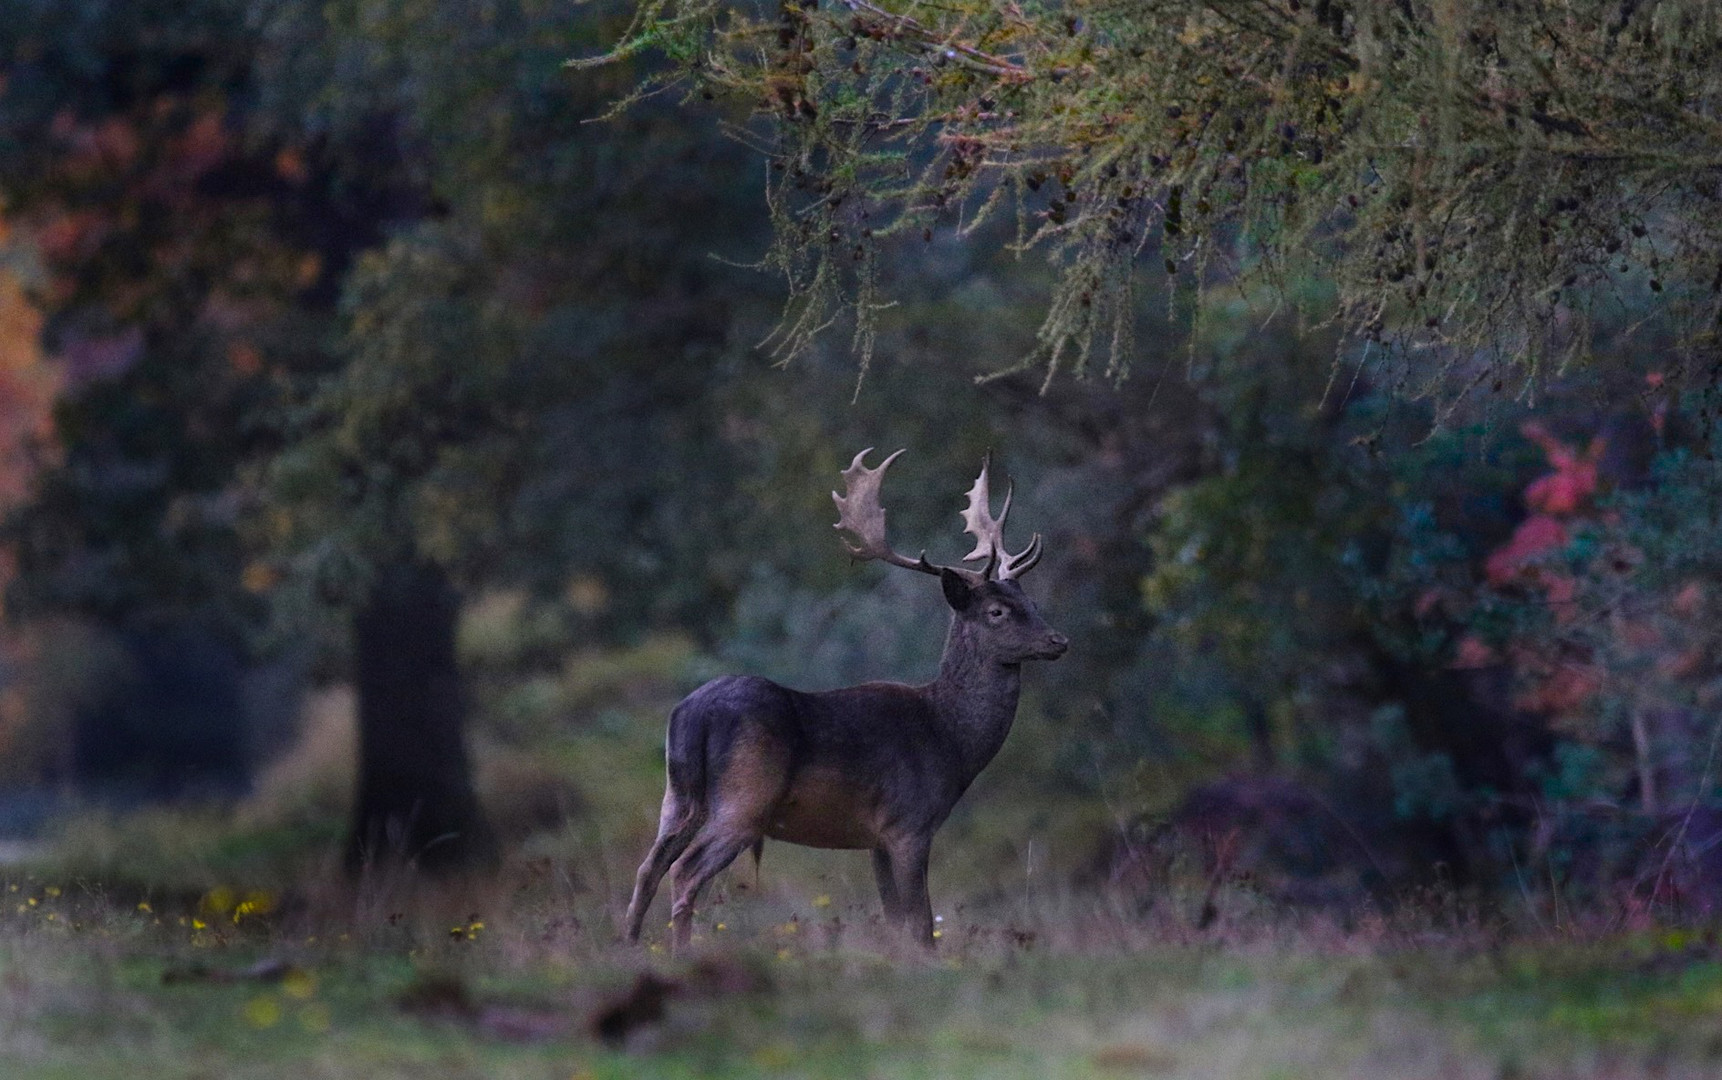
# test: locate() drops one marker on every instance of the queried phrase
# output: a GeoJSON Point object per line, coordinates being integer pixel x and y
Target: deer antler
{"type": "Point", "coordinates": [988, 532]}
{"type": "Point", "coordinates": [859, 513]}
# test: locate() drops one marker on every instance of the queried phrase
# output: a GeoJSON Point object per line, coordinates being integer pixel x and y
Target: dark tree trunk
{"type": "Point", "coordinates": [1261, 734]}
{"type": "Point", "coordinates": [415, 800]}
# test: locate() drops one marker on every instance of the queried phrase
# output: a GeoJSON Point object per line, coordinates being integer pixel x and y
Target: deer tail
{"type": "Point", "coordinates": [685, 756]}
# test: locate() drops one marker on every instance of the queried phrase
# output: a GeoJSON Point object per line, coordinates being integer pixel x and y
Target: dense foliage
{"type": "Point", "coordinates": [1488, 187]}
{"type": "Point", "coordinates": [321, 292]}
{"type": "Point", "coordinates": [168, 261]}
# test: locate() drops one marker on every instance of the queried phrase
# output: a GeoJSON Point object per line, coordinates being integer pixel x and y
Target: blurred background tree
{"type": "Point", "coordinates": [520, 399]}
{"type": "Point", "coordinates": [169, 256]}
{"type": "Point", "coordinates": [371, 362]}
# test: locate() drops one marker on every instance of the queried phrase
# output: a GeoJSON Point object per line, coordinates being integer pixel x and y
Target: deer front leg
{"type": "Point", "coordinates": [882, 873]}
{"type": "Point", "coordinates": [908, 859]}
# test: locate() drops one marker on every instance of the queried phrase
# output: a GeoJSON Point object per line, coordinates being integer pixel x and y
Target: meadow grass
{"type": "Point", "coordinates": [507, 979]}
{"type": "Point", "coordinates": [225, 943]}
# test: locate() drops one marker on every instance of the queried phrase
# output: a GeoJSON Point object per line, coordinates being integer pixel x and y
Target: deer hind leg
{"type": "Point", "coordinates": [679, 820]}
{"type": "Point", "coordinates": [714, 848]}
{"type": "Point", "coordinates": [755, 778]}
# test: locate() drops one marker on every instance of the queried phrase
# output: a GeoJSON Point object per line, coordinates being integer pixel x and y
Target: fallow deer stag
{"type": "Point", "coordinates": [875, 766]}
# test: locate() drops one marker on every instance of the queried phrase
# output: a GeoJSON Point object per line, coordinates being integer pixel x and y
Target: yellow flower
{"type": "Point", "coordinates": [143, 905]}
{"type": "Point", "coordinates": [262, 1011]}
{"type": "Point", "coordinates": [822, 901]}
{"type": "Point", "coordinates": [256, 902]}
{"type": "Point", "coordinates": [217, 901]}
{"type": "Point", "coordinates": [299, 984]}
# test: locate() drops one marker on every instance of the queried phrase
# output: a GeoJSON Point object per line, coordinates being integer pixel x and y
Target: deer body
{"type": "Point", "coordinates": [877, 766]}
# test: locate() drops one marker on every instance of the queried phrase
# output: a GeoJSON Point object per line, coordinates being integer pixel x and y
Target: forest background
{"type": "Point", "coordinates": [372, 378]}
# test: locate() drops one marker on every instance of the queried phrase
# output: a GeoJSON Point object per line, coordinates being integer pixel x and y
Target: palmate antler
{"type": "Point", "coordinates": [988, 531]}
{"type": "Point", "coordinates": [860, 513]}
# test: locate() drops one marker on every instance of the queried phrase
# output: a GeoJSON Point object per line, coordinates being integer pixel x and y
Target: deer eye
{"type": "Point", "coordinates": [995, 613]}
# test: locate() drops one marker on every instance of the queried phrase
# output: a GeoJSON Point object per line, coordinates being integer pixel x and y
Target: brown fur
{"type": "Point", "coordinates": [826, 809]}
{"type": "Point", "coordinates": [873, 766]}
{"type": "Point", "coordinates": [877, 766]}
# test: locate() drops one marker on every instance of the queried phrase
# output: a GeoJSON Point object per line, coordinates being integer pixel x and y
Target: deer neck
{"type": "Point", "coordinates": [974, 698]}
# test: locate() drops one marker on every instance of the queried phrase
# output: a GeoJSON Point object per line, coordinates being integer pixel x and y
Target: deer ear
{"type": "Point", "coordinates": [958, 592]}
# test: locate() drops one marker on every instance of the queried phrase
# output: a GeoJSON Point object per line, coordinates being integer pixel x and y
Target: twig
{"type": "Point", "coordinates": [964, 55]}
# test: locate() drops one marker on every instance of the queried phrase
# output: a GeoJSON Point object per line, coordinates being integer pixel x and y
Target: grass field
{"type": "Point", "coordinates": [222, 944]}
{"type": "Point", "coordinates": [524, 979]}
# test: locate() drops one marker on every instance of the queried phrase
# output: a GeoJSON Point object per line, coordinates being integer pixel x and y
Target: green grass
{"type": "Point", "coordinates": [795, 978]}
{"type": "Point", "coordinates": [374, 983]}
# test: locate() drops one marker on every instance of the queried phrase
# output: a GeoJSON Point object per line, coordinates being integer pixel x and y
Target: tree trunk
{"type": "Point", "coordinates": [415, 802]}
{"type": "Point", "coordinates": [1261, 733]}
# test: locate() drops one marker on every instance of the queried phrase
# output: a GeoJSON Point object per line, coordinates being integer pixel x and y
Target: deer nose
{"type": "Point", "coordinates": [1057, 643]}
